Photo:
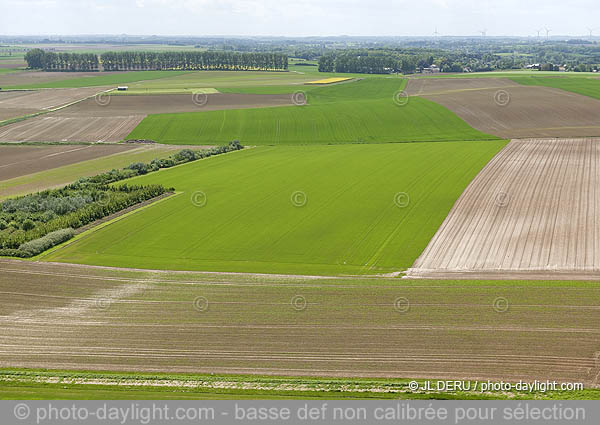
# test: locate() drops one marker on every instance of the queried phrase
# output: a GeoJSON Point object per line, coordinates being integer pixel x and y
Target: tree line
{"type": "Point", "coordinates": [377, 62]}
{"type": "Point", "coordinates": [146, 61]}
{"type": "Point", "coordinates": [408, 61]}
{"type": "Point", "coordinates": [63, 61]}
{"type": "Point", "coordinates": [33, 223]}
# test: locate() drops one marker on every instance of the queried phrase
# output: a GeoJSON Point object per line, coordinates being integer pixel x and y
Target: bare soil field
{"type": "Point", "coordinates": [18, 161]}
{"type": "Point", "coordinates": [11, 64]}
{"type": "Point", "coordinates": [524, 111]}
{"type": "Point", "coordinates": [45, 98]}
{"type": "Point", "coordinates": [431, 86]}
{"type": "Point", "coordinates": [167, 103]}
{"type": "Point", "coordinates": [76, 317]}
{"type": "Point", "coordinates": [9, 113]}
{"type": "Point", "coordinates": [55, 127]}
{"type": "Point", "coordinates": [37, 77]}
{"type": "Point", "coordinates": [68, 173]}
{"type": "Point", "coordinates": [14, 104]}
{"type": "Point", "coordinates": [533, 210]}
{"type": "Point", "coordinates": [92, 120]}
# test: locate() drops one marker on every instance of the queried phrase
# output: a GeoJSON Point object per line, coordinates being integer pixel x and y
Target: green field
{"type": "Point", "coordinates": [356, 112]}
{"type": "Point", "coordinates": [349, 223]}
{"type": "Point", "coordinates": [587, 86]}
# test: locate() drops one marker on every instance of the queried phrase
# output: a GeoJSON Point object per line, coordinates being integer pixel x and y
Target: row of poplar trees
{"type": "Point", "coordinates": [134, 61]}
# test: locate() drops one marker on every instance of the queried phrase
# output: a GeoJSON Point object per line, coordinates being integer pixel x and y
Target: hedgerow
{"type": "Point", "coordinates": [33, 223]}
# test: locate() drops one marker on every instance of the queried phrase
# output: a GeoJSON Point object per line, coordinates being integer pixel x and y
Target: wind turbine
{"type": "Point", "coordinates": [538, 32]}
{"type": "Point", "coordinates": [547, 33]}
{"type": "Point", "coordinates": [483, 32]}
{"type": "Point", "coordinates": [436, 33]}
{"type": "Point", "coordinates": [591, 30]}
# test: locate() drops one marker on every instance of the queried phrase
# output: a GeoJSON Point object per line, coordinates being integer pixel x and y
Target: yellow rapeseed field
{"type": "Point", "coordinates": [329, 80]}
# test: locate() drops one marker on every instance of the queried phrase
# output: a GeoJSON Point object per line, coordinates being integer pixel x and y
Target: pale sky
{"type": "Point", "coordinates": [298, 17]}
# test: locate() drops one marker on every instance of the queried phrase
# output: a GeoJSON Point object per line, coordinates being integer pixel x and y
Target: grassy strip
{"type": "Point", "coordinates": [34, 384]}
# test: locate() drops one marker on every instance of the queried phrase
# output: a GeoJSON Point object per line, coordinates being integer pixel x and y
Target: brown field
{"type": "Point", "coordinates": [88, 121]}
{"type": "Point", "coordinates": [10, 64]}
{"type": "Point", "coordinates": [60, 128]}
{"type": "Point", "coordinates": [45, 98]}
{"type": "Point", "coordinates": [431, 86]}
{"type": "Point", "coordinates": [167, 103]}
{"type": "Point", "coordinates": [68, 173]}
{"type": "Point", "coordinates": [38, 77]}
{"type": "Point", "coordinates": [76, 317]}
{"type": "Point", "coordinates": [14, 104]}
{"type": "Point", "coordinates": [18, 161]}
{"type": "Point", "coordinates": [9, 113]}
{"type": "Point", "coordinates": [534, 209]}
{"type": "Point", "coordinates": [530, 112]}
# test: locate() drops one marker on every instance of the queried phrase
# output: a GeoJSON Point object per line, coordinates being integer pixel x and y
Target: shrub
{"type": "Point", "coordinates": [140, 167]}
{"type": "Point", "coordinates": [28, 225]}
{"type": "Point", "coordinates": [37, 246]}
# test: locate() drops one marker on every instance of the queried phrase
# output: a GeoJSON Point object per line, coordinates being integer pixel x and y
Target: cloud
{"type": "Point", "coordinates": [296, 17]}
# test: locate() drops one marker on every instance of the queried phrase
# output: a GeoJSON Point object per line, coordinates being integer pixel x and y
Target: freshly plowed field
{"type": "Point", "coordinates": [67, 128]}
{"type": "Point", "coordinates": [74, 317]}
{"type": "Point", "coordinates": [44, 99]}
{"type": "Point", "coordinates": [430, 86]}
{"type": "Point", "coordinates": [8, 113]}
{"type": "Point", "coordinates": [18, 161]}
{"type": "Point", "coordinates": [524, 111]}
{"type": "Point", "coordinates": [156, 104]}
{"type": "Point", "coordinates": [91, 120]}
{"type": "Point", "coordinates": [14, 104]}
{"type": "Point", "coordinates": [534, 208]}
{"type": "Point", "coordinates": [37, 77]}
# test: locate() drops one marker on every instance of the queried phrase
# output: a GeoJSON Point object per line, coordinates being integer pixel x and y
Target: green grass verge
{"type": "Point", "coordinates": [580, 85]}
{"type": "Point", "coordinates": [355, 112]}
{"type": "Point", "coordinates": [23, 384]}
{"type": "Point", "coordinates": [350, 223]}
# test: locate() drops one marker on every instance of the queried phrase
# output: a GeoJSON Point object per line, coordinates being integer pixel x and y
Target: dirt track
{"type": "Point", "coordinates": [73, 317]}
{"type": "Point", "coordinates": [516, 111]}
{"type": "Point", "coordinates": [18, 161]}
{"type": "Point", "coordinates": [533, 211]}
